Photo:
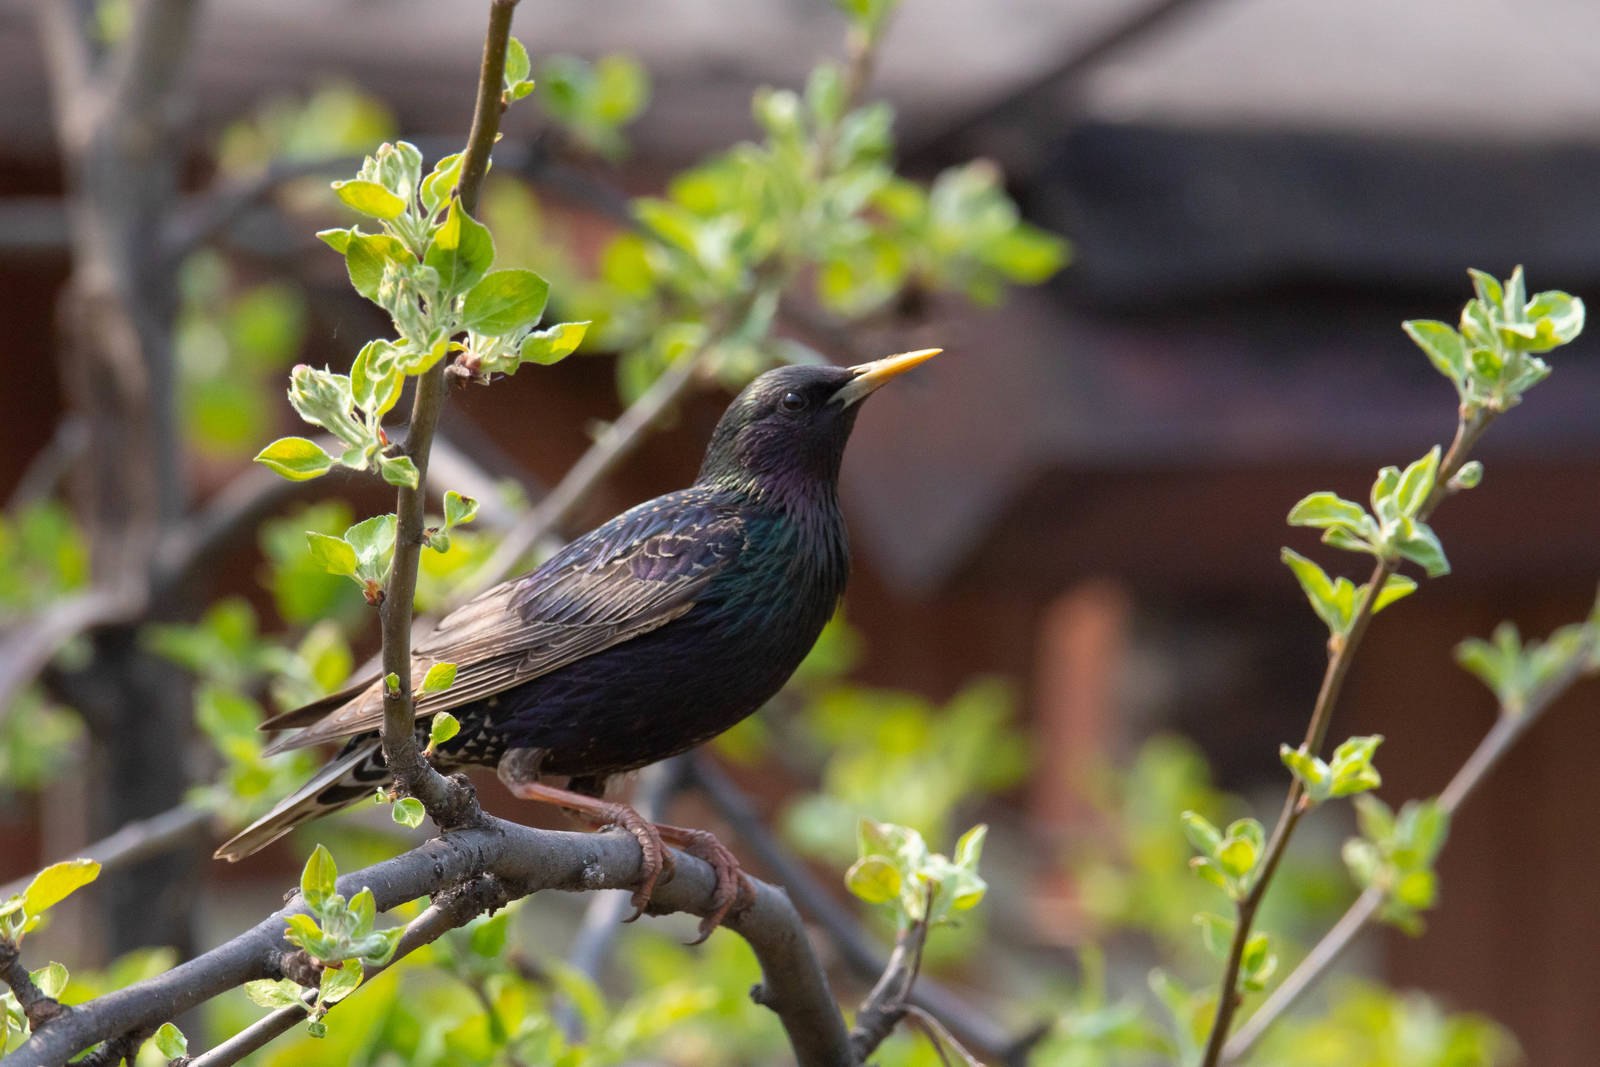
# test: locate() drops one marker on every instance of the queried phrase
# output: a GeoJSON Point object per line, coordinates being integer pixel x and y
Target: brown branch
{"type": "Point", "coordinates": [889, 1000]}
{"type": "Point", "coordinates": [38, 1008]}
{"type": "Point", "coordinates": [524, 860]}
{"type": "Point", "coordinates": [1509, 727]}
{"type": "Point", "coordinates": [413, 775]}
{"type": "Point", "coordinates": [136, 841]}
{"type": "Point", "coordinates": [1341, 652]}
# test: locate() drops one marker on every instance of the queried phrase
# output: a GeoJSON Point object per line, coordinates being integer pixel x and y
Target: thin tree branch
{"type": "Point", "coordinates": [1078, 61]}
{"type": "Point", "coordinates": [887, 1004]}
{"type": "Point", "coordinates": [524, 860]}
{"type": "Point", "coordinates": [413, 775]}
{"type": "Point", "coordinates": [1509, 727]}
{"type": "Point", "coordinates": [1341, 652]}
{"type": "Point", "coordinates": [28, 645]}
{"type": "Point", "coordinates": [136, 841]}
{"type": "Point", "coordinates": [36, 1006]}
{"type": "Point", "coordinates": [615, 444]}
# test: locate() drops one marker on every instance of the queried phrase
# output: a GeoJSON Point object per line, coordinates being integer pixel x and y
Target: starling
{"type": "Point", "coordinates": [645, 637]}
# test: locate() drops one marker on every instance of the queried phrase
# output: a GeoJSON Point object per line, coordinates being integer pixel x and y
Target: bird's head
{"type": "Point", "coordinates": [788, 428]}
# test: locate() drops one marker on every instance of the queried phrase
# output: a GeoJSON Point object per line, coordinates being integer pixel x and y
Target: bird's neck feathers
{"type": "Point", "coordinates": [794, 472]}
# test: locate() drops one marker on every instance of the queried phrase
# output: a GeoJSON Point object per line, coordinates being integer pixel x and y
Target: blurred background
{"type": "Point", "coordinates": [1067, 602]}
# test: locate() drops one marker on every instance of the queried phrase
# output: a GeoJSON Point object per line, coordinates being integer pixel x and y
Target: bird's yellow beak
{"type": "Point", "coordinates": [869, 377]}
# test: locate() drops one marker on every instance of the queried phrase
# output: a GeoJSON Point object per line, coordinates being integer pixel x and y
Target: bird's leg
{"type": "Point", "coordinates": [519, 769]}
{"type": "Point", "coordinates": [654, 860]}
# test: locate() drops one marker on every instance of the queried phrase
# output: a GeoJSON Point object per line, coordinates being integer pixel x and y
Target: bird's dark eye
{"type": "Point", "coordinates": [792, 402]}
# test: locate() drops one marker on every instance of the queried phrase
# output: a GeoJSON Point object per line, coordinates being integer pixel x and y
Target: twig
{"type": "Point", "coordinates": [523, 859]}
{"type": "Point", "coordinates": [210, 214]}
{"type": "Point", "coordinates": [886, 1005]}
{"type": "Point", "coordinates": [38, 1008]}
{"type": "Point", "coordinates": [51, 463]}
{"type": "Point", "coordinates": [860, 954]}
{"type": "Point", "coordinates": [1082, 59]}
{"type": "Point", "coordinates": [435, 921]}
{"type": "Point", "coordinates": [29, 644]}
{"type": "Point", "coordinates": [615, 444]}
{"type": "Point", "coordinates": [136, 841]}
{"type": "Point", "coordinates": [449, 806]}
{"type": "Point", "coordinates": [1508, 729]}
{"type": "Point", "coordinates": [1341, 652]}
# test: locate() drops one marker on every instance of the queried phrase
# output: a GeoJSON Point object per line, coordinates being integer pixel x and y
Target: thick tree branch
{"type": "Point", "coordinates": [1341, 652]}
{"type": "Point", "coordinates": [525, 860]}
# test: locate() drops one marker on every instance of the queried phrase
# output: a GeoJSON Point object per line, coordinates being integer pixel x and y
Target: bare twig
{"type": "Point", "coordinates": [1341, 652]}
{"type": "Point", "coordinates": [27, 646]}
{"type": "Point", "coordinates": [1508, 729]}
{"type": "Point", "coordinates": [413, 775]}
{"type": "Point", "coordinates": [615, 444]}
{"type": "Point", "coordinates": [523, 859]}
{"type": "Point", "coordinates": [137, 840]}
{"type": "Point", "coordinates": [887, 1004]}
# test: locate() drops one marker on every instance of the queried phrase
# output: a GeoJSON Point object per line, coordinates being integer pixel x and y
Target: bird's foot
{"type": "Point", "coordinates": [732, 890]}
{"type": "Point", "coordinates": [655, 862]}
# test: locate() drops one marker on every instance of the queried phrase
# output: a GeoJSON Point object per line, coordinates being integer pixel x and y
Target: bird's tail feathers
{"type": "Point", "coordinates": [351, 777]}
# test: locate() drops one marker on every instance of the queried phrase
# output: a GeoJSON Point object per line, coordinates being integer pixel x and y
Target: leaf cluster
{"type": "Point", "coordinates": [895, 867]}
{"type": "Point", "coordinates": [1395, 854]}
{"type": "Point", "coordinates": [1350, 771]}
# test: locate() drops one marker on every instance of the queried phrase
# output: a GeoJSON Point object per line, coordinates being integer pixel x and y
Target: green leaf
{"type": "Point", "coordinates": [1395, 587]}
{"type": "Point", "coordinates": [170, 1041]}
{"type": "Point", "coordinates": [461, 251]}
{"type": "Point", "coordinates": [373, 540]}
{"type": "Point", "coordinates": [458, 510]}
{"type": "Point", "coordinates": [970, 847]}
{"type": "Point", "coordinates": [408, 811]}
{"type": "Point", "coordinates": [51, 979]}
{"type": "Point", "coordinates": [436, 187]}
{"type": "Point", "coordinates": [517, 65]}
{"type": "Point", "coordinates": [339, 982]}
{"type": "Point", "coordinates": [1327, 509]}
{"type": "Point", "coordinates": [370, 199]}
{"type": "Point", "coordinates": [364, 911]}
{"type": "Point", "coordinates": [303, 930]}
{"type": "Point", "coordinates": [1311, 771]}
{"type": "Point", "coordinates": [443, 728]}
{"type": "Point", "coordinates": [440, 676]}
{"type": "Point", "coordinates": [1558, 318]}
{"type": "Point", "coordinates": [333, 554]}
{"type": "Point", "coordinates": [552, 345]}
{"type": "Point", "coordinates": [1205, 837]}
{"type": "Point", "coordinates": [504, 302]}
{"type": "Point", "coordinates": [1416, 483]}
{"type": "Point", "coordinates": [317, 880]}
{"type": "Point", "coordinates": [56, 883]}
{"type": "Point", "coordinates": [296, 458]}
{"type": "Point", "coordinates": [1237, 856]}
{"type": "Point", "coordinates": [399, 470]}
{"type": "Point", "coordinates": [1421, 546]}
{"type": "Point", "coordinates": [375, 378]}
{"type": "Point", "coordinates": [1442, 345]}
{"type": "Point", "coordinates": [874, 879]}
{"type": "Point", "coordinates": [274, 993]}
{"type": "Point", "coordinates": [1216, 931]}
{"type": "Point", "coordinates": [1487, 287]}
{"type": "Point", "coordinates": [1470, 476]}
{"type": "Point", "coordinates": [365, 257]}
{"type": "Point", "coordinates": [336, 239]}
{"type": "Point", "coordinates": [1320, 591]}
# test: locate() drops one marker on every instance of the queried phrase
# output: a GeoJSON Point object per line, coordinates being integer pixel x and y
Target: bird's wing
{"type": "Point", "coordinates": [638, 572]}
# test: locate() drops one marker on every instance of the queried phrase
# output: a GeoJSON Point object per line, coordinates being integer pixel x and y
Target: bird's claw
{"type": "Point", "coordinates": [732, 890]}
{"type": "Point", "coordinates": [655, 862]}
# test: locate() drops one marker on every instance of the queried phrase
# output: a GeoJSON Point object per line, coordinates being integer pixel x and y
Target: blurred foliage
{"type": "Point", "coordinates": [43, 557]}
{"type": "Point", "coordinates": [593, 101]}
{"type": "Point", "coordinates": [231, 343]}
{"type": "Point", "coordinates": [1376, 1027]}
